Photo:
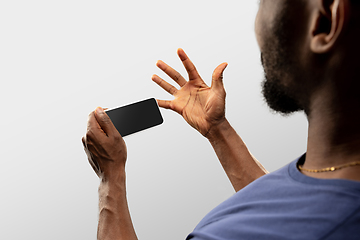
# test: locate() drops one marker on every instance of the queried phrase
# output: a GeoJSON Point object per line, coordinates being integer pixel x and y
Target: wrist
{"type": "Point", "coordinates": [111, 191]}
{"type": "Point", "coordinates": [114, 177]}
{"type": "Point", "coordinates": [218, 131]}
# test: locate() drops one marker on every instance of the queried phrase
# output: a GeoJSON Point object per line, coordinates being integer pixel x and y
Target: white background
{"type": "Point", "coordinates": [59, 60]}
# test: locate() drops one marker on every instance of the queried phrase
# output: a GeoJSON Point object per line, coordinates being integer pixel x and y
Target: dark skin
{"type": "Point", "coordinates": [203, 107]}
{"type": "Point", "coordinates": [326, 55]}
{"type": "Point", "coordinates": [106, 151]}
{"type": "Point", "coordinates": [325, 43]}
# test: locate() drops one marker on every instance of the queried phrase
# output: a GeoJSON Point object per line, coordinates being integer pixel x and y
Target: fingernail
{"type": "Point", "coordinates": [99, 110]}
{"type": "Point", "coordinates": [153, 77]}
{"type": "Point", "coordinates": [160, 64]}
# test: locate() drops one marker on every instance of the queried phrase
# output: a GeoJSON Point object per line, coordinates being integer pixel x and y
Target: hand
{"type": "Point", "coordinates": [104, 146]}
{"type": "Point", "coordinates": [201, 106]}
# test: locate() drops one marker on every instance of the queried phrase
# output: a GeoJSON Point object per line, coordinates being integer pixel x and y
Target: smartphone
{"type": "Point", "coordinates": [135, 117]}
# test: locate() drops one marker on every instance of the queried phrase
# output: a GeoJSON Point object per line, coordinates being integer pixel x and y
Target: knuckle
{"type": "Point", "coordinates": [105, 119]}
{"type": "Point", "coordinates": [89, 135]}
{"type": "Point", "coordinates": [177, 77]}
{"type": "Point", "coordinates": [165, 68]}
{"type": "Point", "coordinates": [160, 81]}
{"type": "Point", "coordinates": [171, 105]}
{"type": "Point", "coordinates": [192, 69]}
{"type": "Point", "coordinates": [83, 140]}
{"type": "Point", "coordinates": [172, 90]}
{"type": "Point", "coordinates": [117, 137]}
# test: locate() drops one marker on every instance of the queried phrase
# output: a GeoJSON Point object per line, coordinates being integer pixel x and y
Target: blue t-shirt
{"type": "Point", "coordinates": [286, 205]}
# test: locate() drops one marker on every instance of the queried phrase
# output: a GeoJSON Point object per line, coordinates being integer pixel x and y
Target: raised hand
{"type": "Point", "coordinates": [203, 107]}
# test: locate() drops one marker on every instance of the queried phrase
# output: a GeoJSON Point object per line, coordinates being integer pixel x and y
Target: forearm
{"type": "Point", "coordinates": [114, 216]}
{"type": "Point", "coordinates": [240, 166]}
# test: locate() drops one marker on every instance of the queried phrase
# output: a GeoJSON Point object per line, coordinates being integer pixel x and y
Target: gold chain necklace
{"type": "Point", "coordinates": [329, 169]}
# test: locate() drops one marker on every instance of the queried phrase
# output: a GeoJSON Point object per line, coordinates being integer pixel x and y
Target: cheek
{"type": "Point", "coordinates": [258, 32]}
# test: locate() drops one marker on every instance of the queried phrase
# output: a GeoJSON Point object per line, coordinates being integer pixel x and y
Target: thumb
{"type": "Point", "coordinates": [104, 121]}
{"type": "Point", "coordinates": [217, 77]}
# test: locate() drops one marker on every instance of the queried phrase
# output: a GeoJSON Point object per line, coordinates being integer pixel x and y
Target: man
{"type": "Point", "coordinates": [309, 54]}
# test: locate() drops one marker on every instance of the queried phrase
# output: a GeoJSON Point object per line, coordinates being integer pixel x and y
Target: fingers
{"type": "Point", "coordinates": [217, 77]}
{"type": "Point", "coordinates": [103, 144]}
{"type": "Point", "coordinates": [189, 66]}
{"type": "Point", "coordinates": [171, 73]}
{"type": "Point", "coordinates": [92, 162]}
{"type": "Point", "coordinates": [164, 104]}
{"type": "Point", "coordinates": [104, 121]}
{"type": "Point", "coordinates": [165, 85]}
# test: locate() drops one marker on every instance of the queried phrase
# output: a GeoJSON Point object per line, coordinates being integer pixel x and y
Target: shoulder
{"type": "Point", "coordinates": [350, 228]}
{"type": "Point", "coordinates": [283, 204]}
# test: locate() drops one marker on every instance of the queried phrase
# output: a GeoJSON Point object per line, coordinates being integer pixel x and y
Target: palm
{"type": "Point", "coordinates": [200, 105]}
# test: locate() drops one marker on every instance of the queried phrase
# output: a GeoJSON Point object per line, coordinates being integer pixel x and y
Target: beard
{"type": "Point", "coordinates": [276, 95]}
{"type": "Point", "coordinates": [280, 86]}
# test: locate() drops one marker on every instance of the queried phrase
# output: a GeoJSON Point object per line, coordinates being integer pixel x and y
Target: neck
{"type": "Point", "coordinates": [334, 135]}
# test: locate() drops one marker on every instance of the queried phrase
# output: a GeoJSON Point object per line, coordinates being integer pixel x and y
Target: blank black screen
{"type": "Point", "coordinates": [136, 117]}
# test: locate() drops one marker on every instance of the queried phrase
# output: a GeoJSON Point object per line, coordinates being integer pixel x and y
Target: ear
{"type": "Point", "coordinates": [328, 24]}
